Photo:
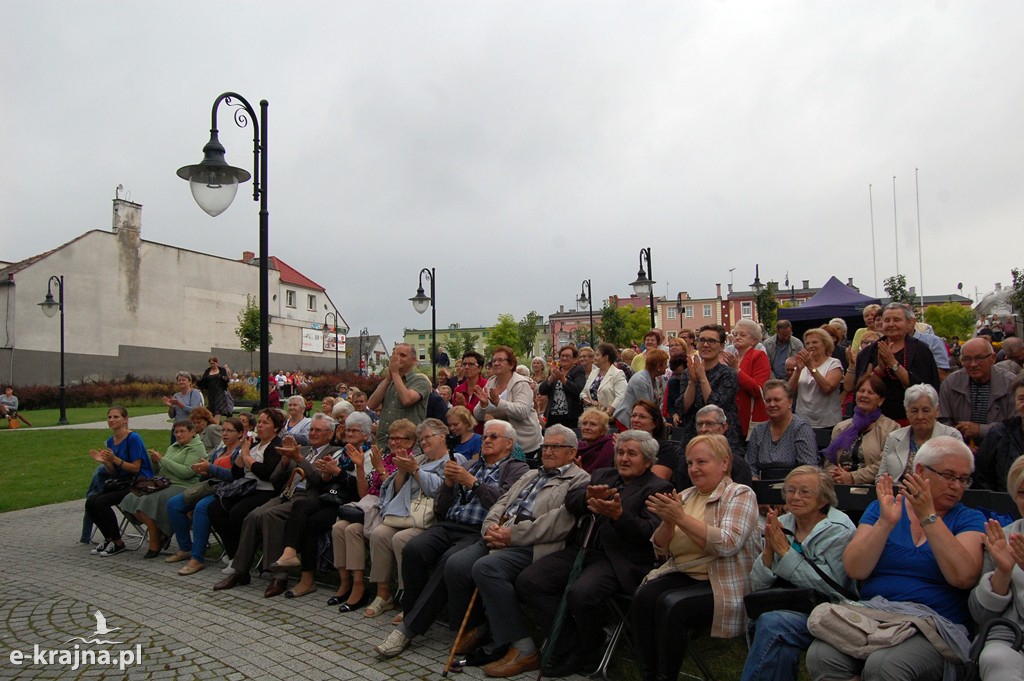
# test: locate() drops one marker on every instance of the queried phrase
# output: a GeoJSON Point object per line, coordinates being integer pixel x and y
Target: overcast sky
{"type": "Point", "coordinates": [521, 147]}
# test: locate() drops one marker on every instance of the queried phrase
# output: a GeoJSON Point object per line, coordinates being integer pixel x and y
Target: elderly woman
{"type": "Point", "coordinates": [348, 538]}
{"type": "Point", "coordinates": [538, 374]}
{"type": "Point", "coordinates": [327, 405]}
{"type": "Point", "coordinates": [647, 417]}
{"type": "Point", "coordinates": [181, 403]}
{"type": "Point", "coordinates": [175, 465]}
{"type": "Point", "coordinates": [586, 360]}
{"type": "Point", "coordinates": [206, 428]}
{"type": "Point", "coordinates": [815, 384]}
{"type": "Point", "coordinates": [782, 443]}
{"type": "Point", "coordinates": [814, 531]}
{"type": "Point", "coordinates": [596, 447]}
{"type": "Point", "coordinates": [850, 375]}
{"type": "Point", "coordinates": [214, 382]}
{"type": "Point", "coordinates": [754, 369]}
{"type": "Point", "coordinates": [1003, 444]}
{"type": "Point", "coordinates": [192, 546]}
{"type": "Point", "coordinates": [709, 534]}
{"type": "Point", "coordinates": [606, 384]}
{"type": "Point", "coordinates": [870, 312]}
{"type": "Point", "coordinates": [653, 340]}
{"type": "Point", "coordinates": [297, 424]}
{"type": "Point", "coordinates": [124, 459]}
{"type": "Point", "coordinates": [462, 428]}
{"type": "Point", "coordinates": [412, 485]}
{"type": "Point", "coordinates": [509, 397]}
{"type": "Point", "coordinates": [856, 449]}
{"type": "Point", "coordinates": [709, 381]}
{"type": "Point", "coordinates": [921, 405]}
{"type": "Point", "coordinates": [642, 386]}
{"type": "Point", "coordinates": [256, 462]}
{"type": "Point", "coordinates": [1000, 593]}
{"type": "Point", "coordinates": [919, 544]}
{"type": "Point", "coordinates": [563, 389]}
{"type": "Point", "coordinates": [464, 395]}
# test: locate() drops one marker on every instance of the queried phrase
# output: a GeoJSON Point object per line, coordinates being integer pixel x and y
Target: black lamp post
{"type": "Point", "coordinates": [586, 301]}
{"type": "Point", "coordinates": [214, 184]}
{"type": "Point", "coordinates": [757, 286]}
{"type": "Point", "coordinates": [51, 308]}
{"type": "Point", "coordinates": [644, 283]}
{"type": "Point", "coordinates": [335, 333]}
{"type": "Point", "coordinates": [363, 335]}
{"type": "Point", "coordinates": [420, 302]}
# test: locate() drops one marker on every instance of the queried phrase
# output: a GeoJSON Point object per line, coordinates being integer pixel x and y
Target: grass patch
{"type": "Point", "coordinates": [49, 466]}
{"type": "Point", "coordinates": [48, 417]}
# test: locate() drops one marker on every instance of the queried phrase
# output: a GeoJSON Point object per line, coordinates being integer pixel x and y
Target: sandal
{"type": "Point", "coordinates": [398, 619]}
{"type": "Point", "coordinates": [379, 607]}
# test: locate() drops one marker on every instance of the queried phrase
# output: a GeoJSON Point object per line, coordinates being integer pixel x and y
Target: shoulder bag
{"type": "Point", "coordinates": [236, 488]}
{"type": "Point", "coordinates": [144, 486]}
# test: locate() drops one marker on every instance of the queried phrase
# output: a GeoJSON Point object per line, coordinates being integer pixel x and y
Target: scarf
{"type": "Point", "coordinates": [861, 421]}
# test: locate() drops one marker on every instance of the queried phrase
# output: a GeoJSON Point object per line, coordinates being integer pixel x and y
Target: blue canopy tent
{"type": "Point", "coordinates": [835, 299]}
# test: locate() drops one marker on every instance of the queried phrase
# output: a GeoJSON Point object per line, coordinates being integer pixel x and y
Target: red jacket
{"type": "Point", "coordinates": [755, 370]}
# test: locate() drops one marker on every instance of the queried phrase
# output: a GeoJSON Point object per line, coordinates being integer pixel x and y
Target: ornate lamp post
{"type": "Point", "coordinates": [756, 287]}
{"type": "Point", "coordinates": [363, 335]}
{"type": "Point", "coordinates": [420, 303]}
{"type": "Point", "coordinates": [644, 284]}
{"type": "Point", "coordinates": [335, 332]}
{"type": "Point", "coordinates": [51, 308]}
{"type": "Point", "coordinates": [214, 184]}
{"type": "Point", "coordinates": [586, 301]}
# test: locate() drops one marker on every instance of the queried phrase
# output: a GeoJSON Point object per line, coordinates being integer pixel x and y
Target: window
{"type": "Point", "coordinates": [671, 313]}
{"type": "Point", "coordinates": [311, 302]}
{"type": "Point", "coordinates": [707, 310]}
{"type": "Point", "coordinates": [289, 298]}
{"type": "Point", "coordinates": [423, 353]}
{"type": "Point", "coordinates": [672, 334]}
{"type": "Point", "coordinates": [422, 336]}
{"type": "Point", "coordinates": [689, 311]}
{"type": "Point", "coordinates": [746, 310]}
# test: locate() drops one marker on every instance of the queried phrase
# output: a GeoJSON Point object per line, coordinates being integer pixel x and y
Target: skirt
{"type": "Point", "coordinates": [154, 505]}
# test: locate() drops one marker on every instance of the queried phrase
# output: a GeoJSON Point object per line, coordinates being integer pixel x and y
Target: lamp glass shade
{"type": "Point", "coordinates": [642, 285]}
{"type": "Point", "coordinates": [213, 185]}
{"type": "Point", "coordinates": [420, 302]}
{"type": "Point", "coordinates": [50, 306]}
{"type": "Point", "coordinates": [583, 302]}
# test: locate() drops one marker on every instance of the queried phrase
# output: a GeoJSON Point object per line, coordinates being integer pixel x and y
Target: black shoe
{"type": "Point", "coordinates": [151, 553]}
{"type": "Point", "coordinates": [339, 600]}
{"type": "Point", "coordinates": [480, 657]}
{"type": "Point", "coordinates": [113, 549]}
{"type": "Point", "coordinates": [352, 607]}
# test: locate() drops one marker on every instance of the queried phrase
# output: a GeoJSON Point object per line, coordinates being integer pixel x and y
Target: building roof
{"type": "Point", "coordinates": [290, 275]}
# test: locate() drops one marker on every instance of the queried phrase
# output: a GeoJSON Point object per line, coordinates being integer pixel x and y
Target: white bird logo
{"type": "Point", "coordinates": [101, 630]}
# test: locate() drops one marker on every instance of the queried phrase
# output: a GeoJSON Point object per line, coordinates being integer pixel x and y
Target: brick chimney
{"type": "Point", "coordinates": [807, 284]}
{"type": "Point", "coordinates": [127, 216]}
{"type": "Point", "coordinates": [718, 290]}
{"type": "Point", "coordinates": [247, 256]}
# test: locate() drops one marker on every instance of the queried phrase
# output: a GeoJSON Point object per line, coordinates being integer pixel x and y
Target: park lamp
{"type": "Point", "coordinates": [49, 305]}
{"type": "Point", "coordinates": [213, 182]}
{"type": "Point", "coordinates": [643, 284]}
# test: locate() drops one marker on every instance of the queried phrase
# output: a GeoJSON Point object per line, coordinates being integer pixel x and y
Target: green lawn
{"type": "Point", "coordinates": [48, 417]}
{"type": "Point", "coordinates": [48, 466]}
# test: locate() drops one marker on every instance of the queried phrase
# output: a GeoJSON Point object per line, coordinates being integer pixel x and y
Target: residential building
{"type": "Point", "coordinates": [455, 336]}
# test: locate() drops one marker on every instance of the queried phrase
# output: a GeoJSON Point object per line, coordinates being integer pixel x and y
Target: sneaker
{"type": "Point", "coordinates": [113, 549]}
{"type": "Point", "coordinates": [100, 548]}
{"type": "Point", "coordinates": [394, 644]}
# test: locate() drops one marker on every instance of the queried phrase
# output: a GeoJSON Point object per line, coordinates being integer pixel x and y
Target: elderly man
{"type": "Point", "coordinates": [620, 553]}
{"type": "Point", "coordinates": [711, 420]}
{"type": "Point", "coordinates": [527, 523]}
{"type": "Point", "coordinates": [899, 359]}
{"type": "Point", "coordinates": [781, 347]}
{"type": "Point", "coordinates": [402, 394]}
{"type": "Point", "coordinates": [974, 398]}
{"type": "Point", "coordinates": [266, 523]}
{"type": "Point", "coordinates": [468, 493]}
{"type": "Point", "coordinates": [1013, 351]}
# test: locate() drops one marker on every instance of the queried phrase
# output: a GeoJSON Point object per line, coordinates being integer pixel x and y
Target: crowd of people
{"type": "Point", "coordinates": [507, 490]}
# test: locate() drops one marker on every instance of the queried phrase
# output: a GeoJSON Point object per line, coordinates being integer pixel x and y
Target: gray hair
{"type": "Point", "coordinates": [839, 323]}
{"type": "Point", "coordinates": [940, 447]}
{"type": "Point", "coordinates": [506, 429]}
{"type": "Point", "coordinates": [297, 398]}
{"type": "Point", "coordinates": [566, 433]}
{"type": "Point", "coordinates": [361, 421]}
{"type": "Point", "coordinates": [753, 327]}
{"type": "Point", "coordinates": [916, 392]}
{"type": "Point", "coordinates": [648, 445]}
{"type": "Point", "coordinates": [907, 311]}
{"type": "Point", "coordinates": [826, 488]}
{"type": "Point", "coordinates": [184, 374]}
{"type": "Point", "coordinates": [712, 409]}
{"type": "Point", "coordinates": [320, 416]}
{"type": "Point", "coordinates": [342, 408]}
{"type": "Point", "coordinates": [431, 426]}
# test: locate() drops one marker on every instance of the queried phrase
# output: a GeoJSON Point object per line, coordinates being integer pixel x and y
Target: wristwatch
{"type": "Point", "coordinates": [933, 518]}
{"type": "Point", "coordinates": [895, 367]}
{"type": "Point", "coordinates": [475, 485]}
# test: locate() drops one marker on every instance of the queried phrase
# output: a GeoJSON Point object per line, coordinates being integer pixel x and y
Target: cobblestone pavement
{"type": "Point", "coordinates": [50, 587]}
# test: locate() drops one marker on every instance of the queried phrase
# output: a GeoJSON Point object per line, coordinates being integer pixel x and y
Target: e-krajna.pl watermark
{"type": "Point", "coordinates": [77, 657]}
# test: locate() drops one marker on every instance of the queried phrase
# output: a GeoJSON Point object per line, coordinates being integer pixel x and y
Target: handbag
{"type": "Point", "coordinates": [116, 485]}
{"type": "Point", "coordinates": [859, 631]}
{"type": "Point", "coordinates": [236, 488]}
{"type": "Point", "coordinates": [782, 595]}
{"type": "Point", "coordinates": [144, 486]}
{"type": "Point", "coordinates": [194, 494]}
{"type": "Point", "coordinates": [421, 515]}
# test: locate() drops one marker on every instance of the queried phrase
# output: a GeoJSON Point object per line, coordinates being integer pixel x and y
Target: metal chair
{"type": "Point", "coordinates": [133, 532]}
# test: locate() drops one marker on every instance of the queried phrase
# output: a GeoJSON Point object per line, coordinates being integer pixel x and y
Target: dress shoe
{"type": "Point", "coordinates": [151, 553]}
{"type": "Point", "coordinates": [291, 593]}
{"type": "Point", "coordinates": [481, 658]}
{"type": "Point", "coordinates": [231, 581]}
{"type": "Point", "coordinates": [276, 588]}
{"type": "Point", "coordinates": [284, 565]}
{"type": "Point", "coordinates": [338, 600]}
{"type": "Point", "coordinates": [352, 607]}
{"type": "Point", "coordinates": [178, 556]}
{"type": "Point", "coordinates": [470, 641]}
{"type": "Point", "coordinates": [191, 569]}
{"type": "Point", "coordinates": [513, 664]}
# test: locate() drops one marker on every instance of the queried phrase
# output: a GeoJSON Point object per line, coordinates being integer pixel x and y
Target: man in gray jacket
{"type": "Point", "coordinates": [781, 347]}
{"type": "Point", "coordinates": [974, 398]}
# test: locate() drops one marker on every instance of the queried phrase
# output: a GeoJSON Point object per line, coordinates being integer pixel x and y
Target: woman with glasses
{"type": "Point", "coordinates": [465, 392]}
{"type": "Point", "coordinates": [647, 417]}
{"type": "Point", "coordinates": [850, 374]}
{"type": "Point", "coordinates": [815, 385]}
{"type": "Point", "coordinates": [814, 531]}
{"type": "Point", "coordinates": [921, 405]}
{"type": "Point", "coordinates": [509, 397]}
{"type": "Point", "coordinates": [916, 543]}
{"type": "Point", "coordinates": [709, 381]}
{"type": "Point", "coordinates": [642, 386]}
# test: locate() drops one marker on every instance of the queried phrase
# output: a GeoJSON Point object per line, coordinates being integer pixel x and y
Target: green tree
{"type": "Point", "coordinates": [462, 343]}
{"type": "Point", "coordinates": [767, 305]}
{"type": "Point", "coordinates": [504, 332]}
{"type": "Point", "coordinates": [527, 332]}
{"type": "Point", "coordinates": [951, 319]}
{"type": "Point", "coordinates": [623, 326]}
{"type": "Point", "coordinates": [248, 330]}
{"type": "Point", "coordinates": [1016, 298]}
{"type": "Point", "coordinates": [896, 288]}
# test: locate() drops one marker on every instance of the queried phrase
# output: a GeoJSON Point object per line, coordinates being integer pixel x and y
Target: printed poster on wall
{"type": "Point", "coordinates": [312, 340]}
{"type": "Point", "coordinates": [331, 338]}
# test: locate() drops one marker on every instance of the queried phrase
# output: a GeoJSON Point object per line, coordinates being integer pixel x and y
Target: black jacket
{"type": "Point", "coordinates": [1000, 448]}
{"type": "Point", "coordinates": [573, 386]}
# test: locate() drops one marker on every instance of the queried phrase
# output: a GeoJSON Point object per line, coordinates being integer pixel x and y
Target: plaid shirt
{"type": "Point", "coordinates": [467, 509]}
{"type": "Point", "coordinates": [527, 499]}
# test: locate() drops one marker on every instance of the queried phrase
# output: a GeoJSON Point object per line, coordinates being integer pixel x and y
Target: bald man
{"type": "Point", "coordinates": [975, 397]}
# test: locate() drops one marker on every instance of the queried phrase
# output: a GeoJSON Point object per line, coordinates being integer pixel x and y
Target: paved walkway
{"type": "Point", "coordinates": [147, 422]}
{"type": "Point", "coordinates": [50, 587]}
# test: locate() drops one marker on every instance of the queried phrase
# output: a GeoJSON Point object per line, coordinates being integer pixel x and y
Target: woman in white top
{"type": "Point", "coordinates": [297, 424]}
{"type": "Point", "coordinates": [815, 385]}
{"type": "Point", "coordinates": [606, 383]}
{"type": "Point", "coordinates": [509, 396]}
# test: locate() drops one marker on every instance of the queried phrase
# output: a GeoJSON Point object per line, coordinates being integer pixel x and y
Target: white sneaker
{"type": "Point", "coordinates": [100, 548]}
{"type": "Point", "coordinates": [393, 645]}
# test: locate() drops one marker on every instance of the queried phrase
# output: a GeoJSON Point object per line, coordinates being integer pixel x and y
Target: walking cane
{"type": "Point", "coordinates": [458, 636]}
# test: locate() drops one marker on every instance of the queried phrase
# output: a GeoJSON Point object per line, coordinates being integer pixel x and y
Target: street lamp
{"type": "Point", "coordinates": [756, 286]}
{"type": "Point", "coordinates": [363, 335]}
{"type": "Point", "coordinates": [586, 301]}
{"type": "Point", "coordinates": [51, 308]}
{"type": "Point", "coordinates": [335, 329]}
{"type": "Point", "coordinates": [644, 284]}
{"type": "Point", "coordinates": [214, 184]}
{"type": "Point", "coordinates": [420, 303]}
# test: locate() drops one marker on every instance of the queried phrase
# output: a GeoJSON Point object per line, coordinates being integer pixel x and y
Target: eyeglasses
{"type": "Point", "coordinates": [354, 431]}
{"type": "Point", "coordinates": [964, 359]}
{"type": "Point", "coordinates": [708, 424]}
{"type": "Point", "coordinates": [550, 447]}
{"type": "Point", "coordinates": [799, 491]}
{"type": "Point", "coordinates": [400, 438]}
{"type": "Point", "coordinates": [499, 360]}
{"type": "Point", "coordinates": [492, 436]}
{"type": "Point", "coordinates": [424, 438]}
{"type": "Point", "coordinates": [707, 341]}
{"type": "Point", "coordinates": [469, 365]}
{"type": "Point", "coordinates": [321, 430]}
{"type": "Point", "coordinates": [964, 480]}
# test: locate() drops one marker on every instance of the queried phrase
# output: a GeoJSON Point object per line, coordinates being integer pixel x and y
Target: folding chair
{"type": "Point", "coordinates": [133, 532]}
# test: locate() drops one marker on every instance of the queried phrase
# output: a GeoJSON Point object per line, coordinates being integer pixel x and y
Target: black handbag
{"type": "Point", "coordinates": [782, 595]}
{"type": "Point", "coordinates": [236, 488]}
{"type": "Point", "coordinates": [117, 484]}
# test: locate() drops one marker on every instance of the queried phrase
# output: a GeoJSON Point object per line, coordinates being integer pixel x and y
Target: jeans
{"type": "Point", "coordinates": [778, 639]}
{"type": "Point", "coordinates": [99, 479]}
{"type": "Point", "coordinates": [196, 543]}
